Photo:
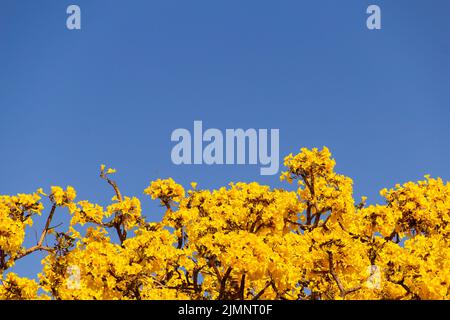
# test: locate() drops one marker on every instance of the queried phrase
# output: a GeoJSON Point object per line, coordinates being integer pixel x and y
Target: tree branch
{"type": "Point", "coordinates": [260, 293]}
{"type": "Point", "coordinates": [334, 274]}
{"type": "Point", "coordinates": [223, 283]}
{"type": "Point", "coordinates": [113, 184]}
{"type": "Point", "coordinates": [39, 246]}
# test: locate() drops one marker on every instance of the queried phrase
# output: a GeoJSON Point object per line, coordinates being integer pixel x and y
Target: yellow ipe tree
{"type": "Point", "coordinates": [242, 241]}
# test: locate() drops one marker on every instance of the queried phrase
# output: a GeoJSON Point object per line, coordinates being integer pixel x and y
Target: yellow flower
{"type": "Point", "coordinates": [240, 241]}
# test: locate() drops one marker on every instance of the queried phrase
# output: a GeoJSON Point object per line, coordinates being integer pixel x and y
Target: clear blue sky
{"type": "Point", "coordinates": [113, 92]}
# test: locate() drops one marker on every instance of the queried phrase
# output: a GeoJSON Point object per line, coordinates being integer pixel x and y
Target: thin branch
{"type": "Point", "coordinates": [260, 293]}
{"type": "Point", "coordinates": [334, 274]}
{"type": "Point", "coordinates": [39, 246]}
{"type": "Point", "coordinates": [113, 184]}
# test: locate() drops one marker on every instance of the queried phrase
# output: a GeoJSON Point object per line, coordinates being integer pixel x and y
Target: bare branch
{"type": "Point", "coordinates": [113, 184]}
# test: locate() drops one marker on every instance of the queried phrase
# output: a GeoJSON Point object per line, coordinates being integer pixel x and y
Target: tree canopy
{"type": "Point", "coordinates": [241, 241]}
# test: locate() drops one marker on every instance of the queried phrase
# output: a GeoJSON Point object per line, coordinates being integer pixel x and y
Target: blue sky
{"type": "Point", "coordinates": [114, 91]}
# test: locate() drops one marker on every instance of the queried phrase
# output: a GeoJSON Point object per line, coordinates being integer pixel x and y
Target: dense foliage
{"type": "Point", "coordinates": [243, 241]}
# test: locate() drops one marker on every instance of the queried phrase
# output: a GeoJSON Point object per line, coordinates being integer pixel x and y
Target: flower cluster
{"type": "Point", "coordinates": [166, 191]}
{"type": "Point", "coordinates": [241, 241]}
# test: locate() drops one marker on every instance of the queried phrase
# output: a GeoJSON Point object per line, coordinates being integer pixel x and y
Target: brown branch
{"type": "Point", "coordinates": [122, 234]}
{"type": "Point", "coordinates": [318, 214]}
{"type": "Point", "coordinates": [242, 287]}
{"type": "Point", "coordinates": [197, 288]}
{"type": "Point", "coordinates": [117, 221]}
{"type": "Point", "coordinates": [260, 293]}
{"type": "Point", "coordinates": [334, 274]}
{"type": "Point", "coordinates": [308, 214]}
{"type": "Point", "coordinates": [298, 224]}
{"type": "Point", "coordinates": [212, 263]}
{"type": "Point", "coordinates": [2, 260]}
{"type": "Point", "coordinates": [223, 283]}
{"type": "Point", "coordinates": [354, 289]}
{"type": "Point", "coordinates": [274, 287]}
{"type": "Point", "coordinates": [38, 247]}
{"type": "Point", "coordinates": [113, 184]}
{"type": "Point", "coordinates": [324, 224]}
{"type": "Point", "coordinates": [47, 225]}
{"type": "Point", "coordinates": [363, 239]}
{"type": "Point", "coordinates": [407, 289]}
